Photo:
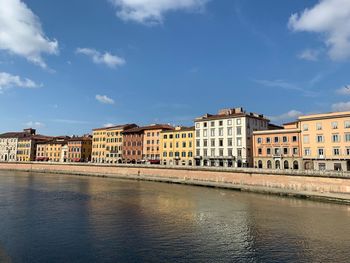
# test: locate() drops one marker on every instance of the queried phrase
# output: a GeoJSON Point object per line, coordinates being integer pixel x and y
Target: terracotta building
{"type": "Point", "coordinates": [80, 148]}
{"type": "Point", "coordinates": [278, 148]}
{"type": "Point", "coordinates": [54, 150]}
{"type": "Point", "coordinates": [142, 144]}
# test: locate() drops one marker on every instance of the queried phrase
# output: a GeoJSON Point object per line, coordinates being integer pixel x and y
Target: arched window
{"type": "Point", "coordinates": [286, 165]}
{"type": "Point", "coordinates": [260, 164]}
{"type": "Point", "coordinates": [269, 164]}
{"type": "Point", "coordinates": [278, 164]}
{"type": "Point", "coordinates": [295, 165]}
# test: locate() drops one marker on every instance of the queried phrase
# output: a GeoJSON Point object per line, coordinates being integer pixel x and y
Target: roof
{"type": "Point", "coordinates": [117, 127]}
{"type": "Point", "coordinates": [180, 129]}
{"type": "Point", "coordinates": [272, 126]}
{"type": "Point", "coordinates": [149, 127]}
{"type": "Point", "coordinates": [81, 138]}
{"type": "Point", "coordinates": [328, 115]}
{"type": "Point", "coordinates": [231, 113]}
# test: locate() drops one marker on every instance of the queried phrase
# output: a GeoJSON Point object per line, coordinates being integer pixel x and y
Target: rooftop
{"type": "Point", "coordinates": [231, 113]}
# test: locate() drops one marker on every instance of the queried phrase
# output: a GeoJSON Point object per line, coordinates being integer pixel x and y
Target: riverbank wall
{"type": "Point", "coordinates": [324, 186]}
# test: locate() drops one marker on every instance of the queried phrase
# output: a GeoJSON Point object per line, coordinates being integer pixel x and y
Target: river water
{"type": "Point", "coordinates": [58, 218]}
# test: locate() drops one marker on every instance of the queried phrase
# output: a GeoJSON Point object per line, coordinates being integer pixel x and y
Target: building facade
{"type": "Point", "coordinates": [54, 150]}
{"type": "Point", "coordinates": [177, 146]}
{"type": "Point", "coordinates": [225, 139]}
{"type": "Point", "coordinates": [151, 142]}
{"type": "Point", "coordinates": [133, 145]}
{"type": "Point", "coordinates": [80, 149]}
{"type": "Point", "coordinates": [107, 143]}
{"type": "Point", "coordinates": [278, 148]}
{"type": "Point", "coordinates": [326, 141]}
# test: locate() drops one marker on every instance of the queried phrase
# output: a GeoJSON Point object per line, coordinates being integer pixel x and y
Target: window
{"type": "Point", "coordinates": [347, 137]}
{"type": "Point", "coordinates": [212, 124]}
{"type": "Point", "coordinates": [277, 151]}
{"type": "Point", "coordinates": [347, 151]}
{"type": "Point", "coordinates": [221, 152]}
{"type": "Point", "coordinates": [268, 140]}
{"type": "Point", "coordinates": [285, 139]}
{"type": "Point", "coordinates": [197, 125]}
{"type": "Point", "coordinates": [294, 138]}
{"type": "Point", "coordinates": [239, 142]}
{"type": "Point", "coordinates": [198, 133]}
{"type": "Point", "coordinates": [221, 123]}
{"type": "Point", "coordinates": [229, 151]}
{"type": "Point", "coordinates": [212, 142]}
{"type": "Point", "coordinates": [259, 140]}
{"type": "Point", "coordinates": [347, 124]}
{"type": "Point", "coordinates": [276, 139]}
{"type": "Point", "coordinates": [221, 132]}
{"type": "Point", "coordinates": [335, 138]}
{"type": "Point", "coordinates": [205, 143]}
{"type": "Point", "coordinates": [212, 152]}
{"type": "Point", "coordinates": [319, 138]}
{"type": "Point", "coordinates": [305, 127]}
{"type": "Point", "coordinates": [259, 151]}
{"type": "Point", "coordinates": [307, 151]}
{"type": "Point", "coordinates": [295, 151]}
{"type": "Point", "coordinates": [336, 151]}
{"type": "Point", "coordinates": [334, 125]}
{"type": "Point", "coordinates": [268, 151]}
{"type": "Point", "coordinates": [285, 151]}
{"type": "Point", "coordinates": [229, 131]}
{"type": "Point", "coordinates": [205, 124]}
{"type": "Point", "coordinates": [239, 131]}
{"type": "Point", "coordinates": [205, 133]}
{"type": "Point", "coordinates": [238, 121]}
{"type": "Point", "coordinates": [229, 122]}
{"type": "Point", "coordinates": [319, 126]}
{"type": "Point", "coordinates": [306, 138]}
{"type": "Point", "coordinates": [221, 142]}
{"type": "Point", "coordinates": [212, 132]}
{"type": "Point", "coordinates": [229, 142]}
{"type": "Point", "coordinates": [320, 152]}
{"type": "Point", "coordinates": [198, 143]}
{"type": "Point", "coordinates": [239, 152]}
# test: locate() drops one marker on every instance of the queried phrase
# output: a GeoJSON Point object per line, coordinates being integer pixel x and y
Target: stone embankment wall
{"type": "Point", "coordinates": [332, 185]}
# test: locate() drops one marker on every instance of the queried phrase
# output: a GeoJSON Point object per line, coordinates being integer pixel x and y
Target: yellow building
{"type": "Point", "coordinates": [55, 150]}
{"type": "Point", "coordinates": [326, 141]}
{"type": "Point", "coordinates": [26, 147]}
{"type": "Point", "coordinates": [177, 146]}
{"type": "Point", "coordinates": [107, 143]}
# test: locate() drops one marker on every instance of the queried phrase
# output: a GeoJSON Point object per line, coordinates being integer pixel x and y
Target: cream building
{"type": "Point", "coordinates": [177, 146]}
{"type": "Point", "coordinates": [225, 139]}
{"type": "Point", "coordinates": [326, 141]}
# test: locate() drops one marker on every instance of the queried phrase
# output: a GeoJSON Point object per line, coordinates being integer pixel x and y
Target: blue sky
{"type": "Point", "coordinates": [77, 65]}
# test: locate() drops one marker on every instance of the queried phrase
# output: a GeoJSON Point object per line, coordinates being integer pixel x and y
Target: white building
{"type": "Point", "coordinates": [225, 139]}
{"type": "Point", "coordinates": [8, 147]}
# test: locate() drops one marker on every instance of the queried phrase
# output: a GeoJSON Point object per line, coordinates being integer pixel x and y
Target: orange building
{"type": "Point", "coordinates": [151, 141]}
{"type": "Point", "coordinates": [79, 149]}
{"type": "Point", "coordinates": [278, 148]}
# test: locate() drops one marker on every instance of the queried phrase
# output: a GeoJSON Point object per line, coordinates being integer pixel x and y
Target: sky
{"type": "Point", "coordinates": [67, 67]}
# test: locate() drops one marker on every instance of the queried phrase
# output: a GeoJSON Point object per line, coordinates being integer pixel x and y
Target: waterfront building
{"type": "Point", "coordinates": [225, 139]}
{"type": "Point", "coordinates": [142, 144]}
{"type": "Point", "coordinates": [151, 142]}
{"type": "Point", "coordinates": [54, 150]}
{"type": "Point", "coordinates": [133, 145]}
{"type": "Point", "coordinates": [18, 146]}
{"type": "Point", "coordinates": [326, 141]}
{"type": "Point", "coordinates": [107, 143]}
{"type": "Point", "coordinates": [278, 148]}
{"type": "Point", "coordinates": [177, 146]}
{"type": "Point", "coordinates": [80, 149]}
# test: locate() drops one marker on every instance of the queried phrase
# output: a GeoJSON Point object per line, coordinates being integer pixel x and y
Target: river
{"type": "Point", "coordinates": [60, 218]}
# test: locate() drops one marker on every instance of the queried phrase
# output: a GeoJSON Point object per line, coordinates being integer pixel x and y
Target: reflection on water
{"type": "Point", "coordinates": [55, 218]}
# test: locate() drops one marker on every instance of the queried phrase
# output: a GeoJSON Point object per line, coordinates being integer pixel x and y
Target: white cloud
{"type": "Point", "coordinates": [331, 19]}
{"type": "Point", "coordinates": [309, 54]}
{"type": "Point", "coordinates": [107, 125]}
{"type": "Point", "coordinates": [11, 81]}
{"type": "Point", "coordinates": [344, 90]}
{"type": "Point", "coordinates": [104, 99]}
{"type": "Point", "coordinates": [102, 58]}
{"type": "Point", "coordinates": [152, 11]}
{"type": "Point", "coordinates": [292, 114]}
{"type": "Point", "coordinates": [21, 33]}
{"type": "Point", "coordinates": [34, 124]}
{"type": "Point", "coordinates": [341, 106]}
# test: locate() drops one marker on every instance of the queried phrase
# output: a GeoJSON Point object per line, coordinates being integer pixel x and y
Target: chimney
{"type": "Point", "coordinates": [29, 131]}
